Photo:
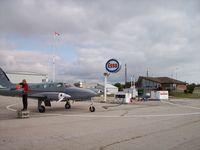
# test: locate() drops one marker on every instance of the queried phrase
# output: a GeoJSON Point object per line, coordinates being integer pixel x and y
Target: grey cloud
{"type": "Point", "coordinates": [161, 35]}
{"type": "Point", "coordinates": [20, 60]}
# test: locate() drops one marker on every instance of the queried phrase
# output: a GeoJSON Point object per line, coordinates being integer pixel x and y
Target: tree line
{"type": "Point", "coordinates": [191, 87]}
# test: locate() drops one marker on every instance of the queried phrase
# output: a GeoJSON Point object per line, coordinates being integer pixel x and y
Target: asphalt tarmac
{"type": "Point", "coordinates": [152, 125]}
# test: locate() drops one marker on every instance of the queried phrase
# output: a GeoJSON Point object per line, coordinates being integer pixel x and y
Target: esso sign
{"type": "Point", "coordinates": [113, 66]}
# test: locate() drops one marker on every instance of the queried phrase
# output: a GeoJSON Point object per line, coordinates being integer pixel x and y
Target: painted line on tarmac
{"type": "Point", "coordinates": [136, 116]}
{"type": "Point", "coordinates": [11, 109]}
{"type": "Point", "coordinates": [165, 115]}
{"type": "Point", "coordinates": [186, 106]}
{"type": "Point", "coordinates": [119, 116]}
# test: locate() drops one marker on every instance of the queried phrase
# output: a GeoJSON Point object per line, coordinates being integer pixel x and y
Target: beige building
{"type": "Point", "coordinates": [196, 90]}
{"type": "Point", "coordinates": [161, 83]}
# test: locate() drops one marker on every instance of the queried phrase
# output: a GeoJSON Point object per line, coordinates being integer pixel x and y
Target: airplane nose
{"type": "Point", "coordinates": [90, 93]}
{"type": "Point", "coordinates": [81, 93]}
{"type": "Point", "coordinates": [93, 93]}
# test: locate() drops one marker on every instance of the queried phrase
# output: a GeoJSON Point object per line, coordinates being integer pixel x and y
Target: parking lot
{"type": "Point", "coordinates": [168, 125]}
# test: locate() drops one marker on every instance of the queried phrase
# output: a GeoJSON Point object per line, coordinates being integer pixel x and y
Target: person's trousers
{"type": "Point", "coordinates": [24, 100]}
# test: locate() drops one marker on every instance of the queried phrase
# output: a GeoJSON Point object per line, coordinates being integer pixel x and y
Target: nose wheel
{"type": "Point", "coordinates": [92, 109]}
{"type": "Point", "coordinates": [67, 105]}
{"type": "Point", "coordinates": [41, 109]}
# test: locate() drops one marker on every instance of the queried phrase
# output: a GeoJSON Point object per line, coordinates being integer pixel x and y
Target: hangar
{"type": "Point", "coordinates": [16, 77]}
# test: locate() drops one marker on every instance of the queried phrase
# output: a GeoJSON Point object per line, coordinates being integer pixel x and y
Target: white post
{"type": "Point", "coordinates": [54, 68]}
{"type": "Point", "coordinates": [105, 87]}
{"type": "Point", "coordinates": [105, 92]}
{"type": "Point", "coordinates": [134, 84]}
{"type": "Point", "coordinates": [131, 81]}
{"type": "Point", "coordinates": [54, 59]}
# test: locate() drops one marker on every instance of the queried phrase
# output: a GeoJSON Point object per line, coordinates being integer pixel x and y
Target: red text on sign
{"type": "Point", "coordinates": [110, 65]}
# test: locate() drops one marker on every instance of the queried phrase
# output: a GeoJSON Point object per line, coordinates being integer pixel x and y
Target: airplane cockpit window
{"type": "Point", "coordinates": [59, 84]}
{"type": "Point", "coordinates": [51, 85]}
{"type": "Point", "coordinates": [67, 85]}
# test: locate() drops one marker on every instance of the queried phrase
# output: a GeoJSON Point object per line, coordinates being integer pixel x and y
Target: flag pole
{"type": "Point", "coordinates": [54, 65]}
{"type": "Point", "coordinates": [54, 57]}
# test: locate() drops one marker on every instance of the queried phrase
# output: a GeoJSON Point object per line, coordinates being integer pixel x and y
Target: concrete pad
{"type": "Point", "coordinates": [143, 125]}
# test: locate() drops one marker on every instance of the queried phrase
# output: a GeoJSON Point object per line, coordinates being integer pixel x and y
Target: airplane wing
{"type": "Point", "coordinates": [51, 96]}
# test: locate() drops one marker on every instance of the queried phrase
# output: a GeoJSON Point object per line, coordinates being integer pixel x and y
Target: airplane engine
{"type": "Point", "coordinates": [63, 96]}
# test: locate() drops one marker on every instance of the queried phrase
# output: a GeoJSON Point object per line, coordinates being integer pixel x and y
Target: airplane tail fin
{"type": "Point", "coordinates": [4, 80]}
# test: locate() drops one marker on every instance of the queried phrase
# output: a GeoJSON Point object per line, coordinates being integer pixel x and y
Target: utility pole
{"type": "Point", "coordinates": [125, 75]}
{"type": "Point", "coordinates": [132, 85]}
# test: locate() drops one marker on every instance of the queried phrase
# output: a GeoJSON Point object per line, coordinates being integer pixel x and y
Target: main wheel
{"type": "Point", "coordinates": [92, 109]}
{"type": "Point", "coordinates": [41, 109]}
{"type": "Point", "coordinates": [67, 105]}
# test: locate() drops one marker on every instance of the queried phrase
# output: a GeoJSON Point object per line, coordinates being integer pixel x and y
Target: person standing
{"type": "Point", "coordinates": [24, 85]}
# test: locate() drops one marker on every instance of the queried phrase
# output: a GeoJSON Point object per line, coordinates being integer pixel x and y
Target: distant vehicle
{"type": "Point", "coordinates": [47, 92]}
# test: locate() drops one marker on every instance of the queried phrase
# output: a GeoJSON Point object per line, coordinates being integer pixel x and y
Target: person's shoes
{"type": "Point", "coordinates": [24, 109]}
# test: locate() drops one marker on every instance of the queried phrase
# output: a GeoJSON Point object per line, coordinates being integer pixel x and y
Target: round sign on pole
{"type": "Point", "coordinates": [113, 66]}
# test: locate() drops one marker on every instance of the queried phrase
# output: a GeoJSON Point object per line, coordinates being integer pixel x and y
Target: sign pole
{"type": "Point", "coordinates": [105, 85]}
{"type": "Point", "coordinates": [112, 66]}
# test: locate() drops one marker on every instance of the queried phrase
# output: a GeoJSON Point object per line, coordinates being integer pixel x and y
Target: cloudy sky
{"type": "Point", "coordinates": [163, 36]}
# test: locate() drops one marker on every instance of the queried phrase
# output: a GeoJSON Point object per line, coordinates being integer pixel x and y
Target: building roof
{"type": "Point", "coordinates": [26, 73]}
{"type": "Point", "coordinates": [162, 80]}
{"type": "Point", "coordinates": [111, 86]}
{"type": "Point", "coordinates": [108, 86]}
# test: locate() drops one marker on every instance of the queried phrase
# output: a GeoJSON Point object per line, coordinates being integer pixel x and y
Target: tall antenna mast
{"type": "Point", "coordinates": [125, 74]}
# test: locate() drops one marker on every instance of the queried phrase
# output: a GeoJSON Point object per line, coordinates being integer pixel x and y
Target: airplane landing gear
{"type": "Point", "coordinates": [41, 109]}
{"type": "Point", "coordinates": [67, 105]}
{"type": "Point", "coordinates": [92, 109]}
